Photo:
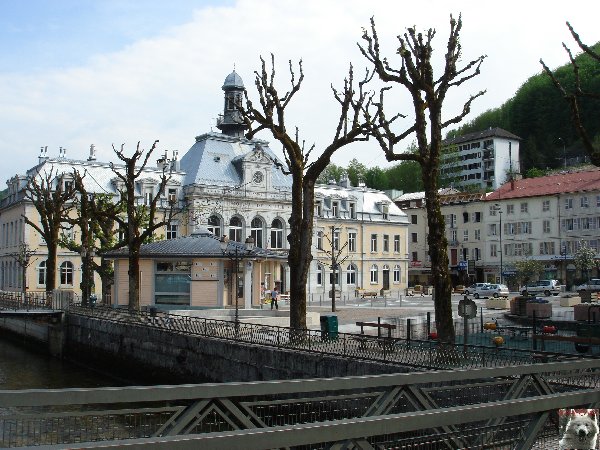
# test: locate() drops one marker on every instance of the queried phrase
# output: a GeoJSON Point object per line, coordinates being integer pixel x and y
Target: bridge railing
{"type": "Point", "coordinates": [31, 301]}
{"type": "Point", "coordinates": [499, 407]}
{"type": "Point", "coordinates": [415, 353]}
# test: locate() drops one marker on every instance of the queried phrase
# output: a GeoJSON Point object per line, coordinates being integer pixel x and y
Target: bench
{"type": "Point", "coordinates": [364, 294]}
{"type": "Point", "coordinates": [387, 342]}
{"type": "Point", "coordinates": [284, 297]}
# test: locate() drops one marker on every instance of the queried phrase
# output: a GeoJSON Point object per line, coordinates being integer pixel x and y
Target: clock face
{"type": "Point", "coordinates": [257, 177]}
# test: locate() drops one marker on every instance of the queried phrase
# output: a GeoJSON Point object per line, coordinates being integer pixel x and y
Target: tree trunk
{"type": "Point", "coordinates": [440, 274]}
{"type": "Point", "coordinates": [134, 281]}
{"type": "Point", "coordinates": [300, 256]}
{"type": "Point", "coordinates": [51, 267]}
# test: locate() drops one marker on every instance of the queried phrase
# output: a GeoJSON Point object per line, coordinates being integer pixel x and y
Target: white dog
{"type": "Point", "coordinates": [581, 430]}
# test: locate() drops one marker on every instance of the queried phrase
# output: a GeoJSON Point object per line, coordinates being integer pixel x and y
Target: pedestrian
{"type": "Point", "coordinates": [274, 296]}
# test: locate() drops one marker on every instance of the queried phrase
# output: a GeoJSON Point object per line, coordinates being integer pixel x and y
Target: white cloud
{"type": "Point", "coordinates": [167, 87]}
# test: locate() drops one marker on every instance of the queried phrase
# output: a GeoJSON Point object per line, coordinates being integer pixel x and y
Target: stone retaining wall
{"type": "Point", "coordinates": [174, 357]}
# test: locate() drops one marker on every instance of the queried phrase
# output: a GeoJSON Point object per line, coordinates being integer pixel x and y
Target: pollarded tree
{"type": "Point", "coordinates": [428, 92]}
{"type": "Point", "coordinates": [141, 220]}
{"type": "Point", "coordinates": [95, 219]}
{"type": "Point", "coordinates": [51, 195]}
{"type": "Point", "coordinates": [575, 96]}
{"type": "Point", "coordinates": [270, 115]}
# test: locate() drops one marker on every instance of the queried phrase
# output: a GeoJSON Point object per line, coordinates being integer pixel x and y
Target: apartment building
{"type": "Point", "coordinates": [480, 160]}
{"type": "Point", "coordinates": [546, 219]}
{"type": "Point", "coordinates": [366, 233]}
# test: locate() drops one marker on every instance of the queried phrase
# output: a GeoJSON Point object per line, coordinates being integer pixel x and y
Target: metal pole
{"type": "Point", "coordinates": [235, 289]}
{"type": "Point", "coordinates": [501, 252]}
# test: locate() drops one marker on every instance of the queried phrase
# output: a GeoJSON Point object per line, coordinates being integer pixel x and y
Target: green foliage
{"type": "Point", "coordinates": [538, 114]}
{"type": "Point", "coordinates": [332, 172]}
{"type": "Point", "coordinates": [356, 172]}
{"type": "Point", "coordinates": [535, 173]}
{"type": "Point", "coordinates": [585, 258]}
{"type": "Point", "coordinates": [528, 270]}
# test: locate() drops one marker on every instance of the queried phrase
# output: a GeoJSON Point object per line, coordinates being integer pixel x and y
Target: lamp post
{"type": "Point", "coordinates": [235, 256]}
{"type": "Point", "coordinates": [499, 210]}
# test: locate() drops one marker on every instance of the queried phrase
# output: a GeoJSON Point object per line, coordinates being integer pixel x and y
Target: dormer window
{"type": "Point", "coordinates": [352, 209]}
{"type": "Point", "coordinates": [335, 209]}
{"type": "Point", "coordinates": [318, 208]}
{"type": "Point", "coordinates": [148, 194]}
{"type": "Point", "coordinates": [384, 211]}
{"type": "Point", "coordinates": [68, 185]}
{"type": "Point", "coordinates": [172, 195]}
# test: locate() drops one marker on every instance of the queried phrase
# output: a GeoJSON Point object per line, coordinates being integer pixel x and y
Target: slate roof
{"type": "Point", "coordinates": [193, 246]}
{"type": "Point", "coordinates": [559, 183]}
{"type": "Point", "coordinates": [210, 161]}
{"type": "Point", "coordinates": [233, 80]}
{"type": "Point", "coordinates": [478, 135]}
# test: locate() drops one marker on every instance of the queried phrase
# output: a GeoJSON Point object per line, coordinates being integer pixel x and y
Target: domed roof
{"type": "Point", "coordinates": [233, 81]}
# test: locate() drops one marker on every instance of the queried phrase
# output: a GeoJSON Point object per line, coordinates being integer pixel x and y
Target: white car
{"type": "Point", "coordinates": [591, 286]}
{"type": "Point", "coordinates": [470, 290]}
{"type": "Point", "coordinates": [492, 290]}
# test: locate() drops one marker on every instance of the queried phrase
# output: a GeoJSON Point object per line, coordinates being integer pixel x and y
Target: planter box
{"type": "Point", "coordinates": [542, 310]}
{"type": "Point", "coordinates": [497, 303]}
{"type": "Point", "coordinates": [580, 312]}
{"type": "Point", "coordinates": [570, 301]}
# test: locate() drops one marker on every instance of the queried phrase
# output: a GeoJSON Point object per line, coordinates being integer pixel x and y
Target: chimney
{"type": "Point", "coordinates": [161, 162]}
{"type": "Point", "coordinates": [175, 161]}
{"type": "Point", "coordinates": [43, 154]}
{"type": "Point", "coordinates": [92, 156]}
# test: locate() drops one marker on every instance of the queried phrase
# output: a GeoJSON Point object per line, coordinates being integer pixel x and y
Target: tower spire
{"type": "Point", "coordinates": [230, 123]}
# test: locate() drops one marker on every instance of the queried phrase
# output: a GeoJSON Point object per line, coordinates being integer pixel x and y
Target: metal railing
{"type": "Point", "coordinates": [500, 407]}
{"type": "Point", "coordinates": [33, 301]}
{"type": "Point", "coordinates": [409, 352]}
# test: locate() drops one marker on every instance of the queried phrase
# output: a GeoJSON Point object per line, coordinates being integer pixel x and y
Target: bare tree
{"type": "Point", "coordinates": [428, 93]}
{"type": "Point", "coordinates": [575, 96]}
{"type": "Point", "coordinates": [52, 198]}
{"type": "Point", "coordinates": [96, 220]}
{"type": "Point", "coordinates": [23, 257]}
{"type": "Point", "coordinates": [335, 258]}
{"type": "Point", "coordinates": [141, 220]}
{"type": "Point", "coordinates": [270, 116]}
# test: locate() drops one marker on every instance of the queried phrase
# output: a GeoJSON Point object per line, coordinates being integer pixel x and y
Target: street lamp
{"type": "Point", "coordinates": [499, 210]}
{"type": "Point", "coordinates": [235, 255]}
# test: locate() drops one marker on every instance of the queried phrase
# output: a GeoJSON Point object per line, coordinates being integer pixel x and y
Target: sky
{"type": "Point", "coordinates": [111, 72]}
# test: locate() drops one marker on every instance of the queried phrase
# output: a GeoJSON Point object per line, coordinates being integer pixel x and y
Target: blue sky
{"type": "Point", "coordinates": [42, 34]}
{"type": "Point", "coordinates": [76, 73]}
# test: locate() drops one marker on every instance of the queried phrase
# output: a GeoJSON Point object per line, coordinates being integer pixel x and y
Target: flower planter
{"type": "Point", "coordinates": [541, 310]}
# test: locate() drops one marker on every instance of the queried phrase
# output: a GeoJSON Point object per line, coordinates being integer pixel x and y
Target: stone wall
{"type": "Point", "coordinates": [176, 358]}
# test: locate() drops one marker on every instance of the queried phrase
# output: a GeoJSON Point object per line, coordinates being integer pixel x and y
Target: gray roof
{"type": "Point", "coordinates": [233, 81]}
{"type": "Point", "coordinates": [211, 161]}
{"type": "Point", "coordinates": [477, 135]}
{"type": "Point", "coordinates": [193, 246]}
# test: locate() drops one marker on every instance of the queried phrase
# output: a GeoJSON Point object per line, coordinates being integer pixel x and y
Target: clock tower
{"type": "Point", "coordinates": [230, 122]}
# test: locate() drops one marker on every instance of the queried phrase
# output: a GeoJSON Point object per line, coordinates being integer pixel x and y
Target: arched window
{"type": "Point", "coordinates": [41, 279]}
{"type": "Point", "coordinates": [277, 234]}
{"type": "Point", "coordinates": [214, 225]}
{"type": "Point", "coordinates": [320, 273]}
{"type": "Point", "coordinates": [256, 231]}
{"type": "Point", "coordinates": [66, 273]}
{"type": "Point", "coordinates": [351, 274]}
{"type": "Point", "coordinates": [397, 273]}
{"type": "Point", "coordinates": [235, 229]}
{"type": "Point", "coordinates": [374, 274]}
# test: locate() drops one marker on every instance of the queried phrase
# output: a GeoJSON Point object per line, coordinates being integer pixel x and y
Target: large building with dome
{"type": "Point", "coordinates": [229, 185]}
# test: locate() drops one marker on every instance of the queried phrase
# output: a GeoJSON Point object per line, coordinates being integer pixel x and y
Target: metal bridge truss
{"type": "Point", "coordinates": [512, 407]}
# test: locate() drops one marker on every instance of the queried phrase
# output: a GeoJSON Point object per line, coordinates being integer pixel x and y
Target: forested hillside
{"type": "Point", "coordinates": [537, 114]}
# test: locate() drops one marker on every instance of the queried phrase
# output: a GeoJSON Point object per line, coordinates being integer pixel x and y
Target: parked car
{"type": "Point", "coordinates": [592, 285]}
{"type": "Point", "coordinates": [491, 290]}
{"type": "Point", "coordinates": [546, 287]}
{"type": "Point", "coordinates": [471, 289]}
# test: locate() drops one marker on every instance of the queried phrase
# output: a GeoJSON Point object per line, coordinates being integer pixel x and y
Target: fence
{"type": "Point", "coordinates": [409, 351]}
{"type": "Point", "coordinates": [507, 407]}
{"type": "Point", "coordinates": [31, 301]}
